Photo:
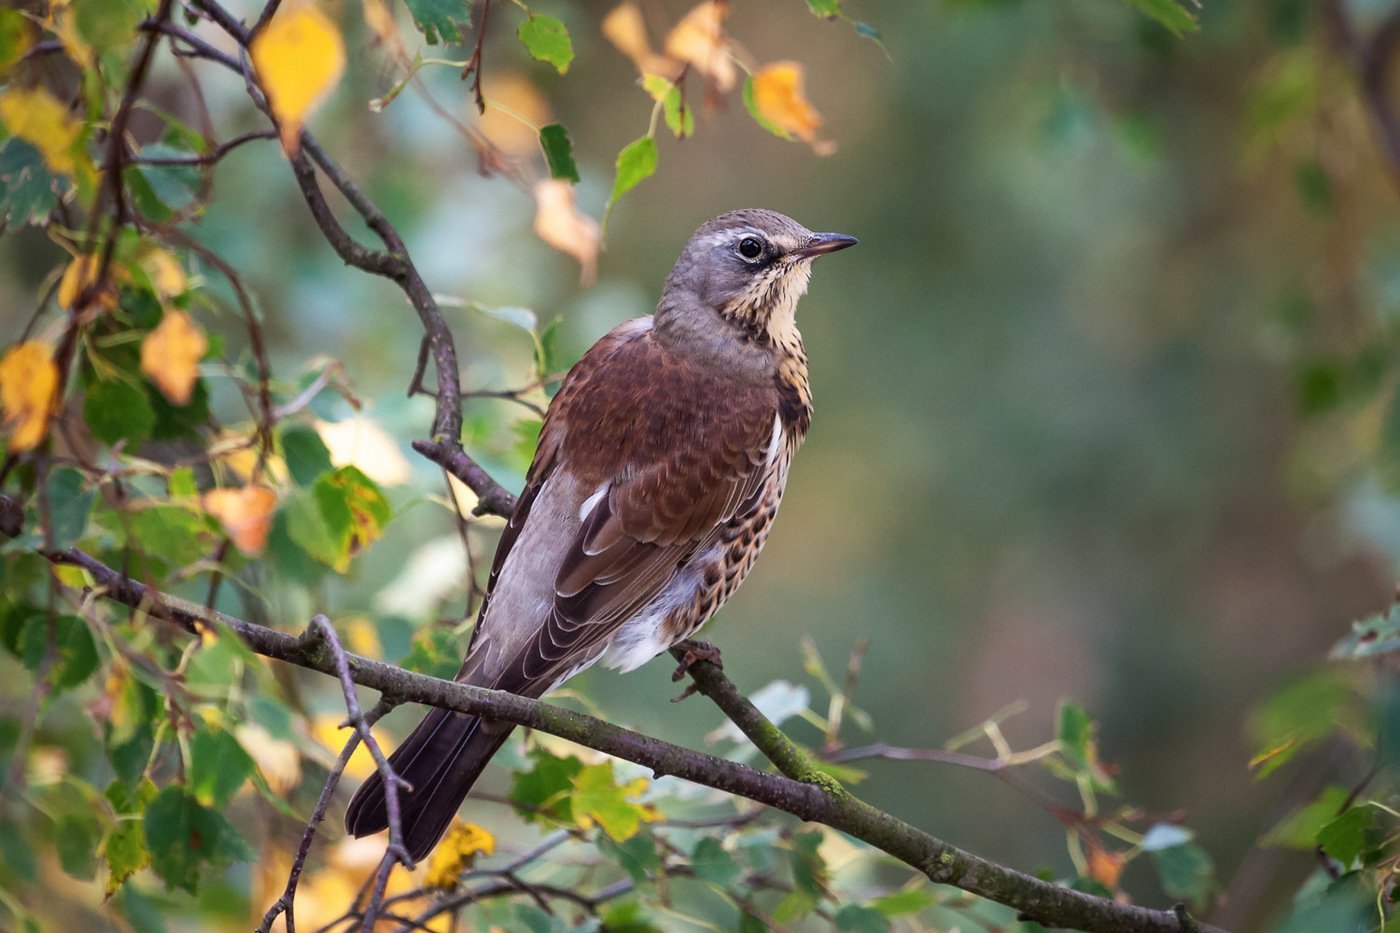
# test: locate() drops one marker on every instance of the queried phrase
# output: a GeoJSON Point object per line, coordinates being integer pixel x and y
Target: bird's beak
{"type": "Point", "coordinates": [824, 243]}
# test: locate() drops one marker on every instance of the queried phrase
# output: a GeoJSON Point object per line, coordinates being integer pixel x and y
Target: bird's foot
{"type": "Point", "coordinates": [693, 651]}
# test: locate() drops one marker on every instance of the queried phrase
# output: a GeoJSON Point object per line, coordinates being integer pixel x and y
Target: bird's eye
{"type": "Point", "coordinates": [750, 247]}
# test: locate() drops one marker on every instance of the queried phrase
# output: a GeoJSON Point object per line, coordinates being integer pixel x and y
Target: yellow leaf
{"type": "Point", "coordinates": [699, 41]}
{"type": "Point", "coordinates": [37, 117]}
{"type": "Point", "coordinates": [330, 732]}
{"type": "Point", "coordinates": [79, 278]}
{"type": "Point", "coordinates": [299, 58]}
{"type": "Point", "coordinates": [170, 356]}
{"type": "Point", "coordinates": [379, 19]}
{"type": "Point", "coordinates": [455, 854]}
{"type": "Point", "coordinates": [624, 28]}
{"type": "Point", "coordinates": [362, 637]}
{"type": "Point", "coordinates": [166, 274]}
{"type": "Point", "coordinates": [560, 224]}
{"type": "Point", "coordinates": [28, 388]}
{"type": "Point", "coordinates": [778, 94]}
{"type": "Point", "coordinates": [245, 513]}
{"type": "Point", "coordinates": [278, 761]}
{"type": "Point", "coordinates": [360, 442]}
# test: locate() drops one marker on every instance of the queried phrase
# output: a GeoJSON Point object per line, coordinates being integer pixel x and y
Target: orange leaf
{"type": "Point", "coordinates": [779, 96]}
{"type": "Point", "coordinates": [245, 513]}
{"type": "Point", "coordinates": [1105, 867]}
{"type": "Point", "coordinates": [28, 387]}
{"type": "Point", "coordinates": [170, 356]}
{"type": "Point", "coordinates": [78, 278]}
{"type": "Point", "coordinates": [299, 58]}
{"type": "Point", "coordinates": [699, 41]}
{"type": "Point", "coordinates": [560, 224]}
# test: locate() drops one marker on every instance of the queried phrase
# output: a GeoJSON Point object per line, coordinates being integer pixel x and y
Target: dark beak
{"type": "Point", "coordinates": [824, 243]}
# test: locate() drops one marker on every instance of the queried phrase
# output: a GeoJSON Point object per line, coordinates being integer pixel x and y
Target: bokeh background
{"type": "Point", "coordinates": [1082, 421]}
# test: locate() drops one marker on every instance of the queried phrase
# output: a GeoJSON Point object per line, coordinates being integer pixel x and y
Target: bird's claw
{"type": "Point", "coordinates": [693, 652]}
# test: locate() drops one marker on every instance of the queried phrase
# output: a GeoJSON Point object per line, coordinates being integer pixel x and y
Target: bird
{"type": "Point", "coordinates": [660, 466]}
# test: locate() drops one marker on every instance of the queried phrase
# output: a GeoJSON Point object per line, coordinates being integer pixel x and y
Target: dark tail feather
{"type": "Point", "coordinates": [442, 758]}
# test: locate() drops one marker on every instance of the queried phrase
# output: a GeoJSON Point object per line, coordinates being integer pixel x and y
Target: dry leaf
{"type": "Point", "coordinates": [456, 853]}
{"type": "Point", "coordinates": [1105, 867]}
{"type": "Point", "coordinates": [245, 513]}
{"type": "Point", "coordinates": [560, 224]}
{"type": "Point", "coordinates": [779, 96]}
{"type": "Point", "coordinates": [170, 356]}
{"type": "Point", "coordinates": [625, 29]}
{"type": "Point", "coordinates": [80, 276]}
{"type": "Point", "coordinates": [699, 41]}
{"type": "Point", "coordinates": [299, 58]}
{"type": "Point", "coordinates": [28, 387]}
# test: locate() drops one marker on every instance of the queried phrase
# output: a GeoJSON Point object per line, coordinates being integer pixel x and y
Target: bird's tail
{"type": "Point", "coordinates": [442, 759]}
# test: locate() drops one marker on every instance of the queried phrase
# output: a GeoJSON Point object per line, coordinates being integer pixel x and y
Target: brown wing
{"type": "Point", "coordinates": [678, 453]}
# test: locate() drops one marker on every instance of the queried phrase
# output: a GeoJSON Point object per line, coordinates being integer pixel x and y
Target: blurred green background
{"type": "Point", "coordinates": [1082, 421]}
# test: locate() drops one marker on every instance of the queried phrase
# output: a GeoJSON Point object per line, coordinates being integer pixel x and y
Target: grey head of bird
{"type": "Point", "coordinates": [739, 279]}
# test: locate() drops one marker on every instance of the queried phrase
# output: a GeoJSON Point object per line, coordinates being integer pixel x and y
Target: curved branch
{"type": "Point", "coordinates": [823, 801]}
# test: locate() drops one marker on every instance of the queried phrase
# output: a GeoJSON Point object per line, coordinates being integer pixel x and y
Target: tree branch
{"type": "Point", "coordinates": [824, 801]}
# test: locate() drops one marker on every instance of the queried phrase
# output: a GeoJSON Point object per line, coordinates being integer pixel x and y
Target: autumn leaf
{"type": "Point", "coordinates": [455, 854]}
{"type": "Point", "coordinates": [625, 29]}
{"type": "Point", "coordinates": [1105, 867]}
{"type": "Point", "coordinates": [560, 224]}
{"type": "Point", "coordinates": [245, 513]}
{"type": "Point", "coordinates": [79, 278]}
{"type": "Point", "coordinates": [299, 58]}
{"type": "Point", "coordinates": [170, 356]}
{"type": "Point", "coordinates": [699, 40]}
{"type": "Point", "coordinates": [39, 118]}
{"type": "Point", "coordinates": [28, 386]}
{"type": "Point", "coordinates": [164, 271]}
{"type": "Point", "coordinates": [780, 99]}
{"type": "Point", "coordinates": [278, 760]}
{"type": "Point", "coordinates": [332, 733]}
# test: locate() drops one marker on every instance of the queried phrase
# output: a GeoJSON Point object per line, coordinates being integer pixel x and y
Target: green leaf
{"type": "Point", "coordinates": [434, 650]}
{"type": "Point", "coordinates": [1186, 871]}
{"type": "Point", "coordinates": [218, 767]}
{"type": "Point", "coordinates": [75, 837]}
{"type": "Point", "coordinates": [68, 505]}
{"type": "Point", "coordinates": [1075, 731]}
{"type": "Point", "coordinates": [183, 837]}
{"type": "Point", "coordinates": [1297, 716]}
{"type": "Point", "coordinates": [680, 119]}
{"type": "Point", "coordinates": [338, 517]}
{"type": "Point", "coordinates": [172, 533]}
{"type": "Point", "coordinates": [827, 9]}
{"type": "Point", "coordinates": [178, 422]}
{"type": "Point", "coordinates": [182, 483]}
{"type": "Point", "coordinates": [636, 161]}
{"type": "Point", "coordinates": [543, 792]}
{"type": "Point", "coordinates": [26, 187]}
{"type": "Point", "coordinates": [598, 798]}
{"type": "Point", "coordinates": [1299, 829]}
{"type": "Point", "coordinates": [1168, 13]}
{"type": "Point", "coordinates": [441, 20]}
{"type": "Point", "coordinates": [711, 863]}
{"type": "Point", "coordinates": [306, 454]}
{"type": "Point", "coordinates": [858, 918]}
{"type": "Point", "coordinates": [559, 152]}
{"type": "Point", "coordinates": [1344, 838]}
{"type": "Point", "coordinates": [125, 846]}
{"type": "Point", "coordinates": [629, 917]}
{"type": "Point", "coordinates": [546, 39]}
{"type": "Point", "coordinates": [637, 856]}
{"type": "Point", "coordinates": [118, 411]}
{"type": "Point", "coordinates": [217, 665]}
{"type": "Point", "coordinates": [809, 872]}
{"type": "Point", "coordinates": [1314, 187]}
{"type": "Point", "coordinates": [163, 189]}
{"type": "Point", "coordinates": [900, 903]}
{"type": "Point", "coordinates": [1378, 634]}
{"type": "Point", "coordinates": [794, 906]}
{"type": "Point", "coordinates": [75, 653]}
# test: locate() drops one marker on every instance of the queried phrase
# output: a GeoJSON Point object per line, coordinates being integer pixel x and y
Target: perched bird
{"type": "Point", "coordinates": [660, 466]}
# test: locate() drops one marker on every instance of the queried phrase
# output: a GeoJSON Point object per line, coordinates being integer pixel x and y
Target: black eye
{"type": "Point", "coordinates": [750, 247]}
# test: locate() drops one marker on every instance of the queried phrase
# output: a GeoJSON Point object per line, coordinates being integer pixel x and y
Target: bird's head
{"type": "Point", "coordinates": [749, 267]}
